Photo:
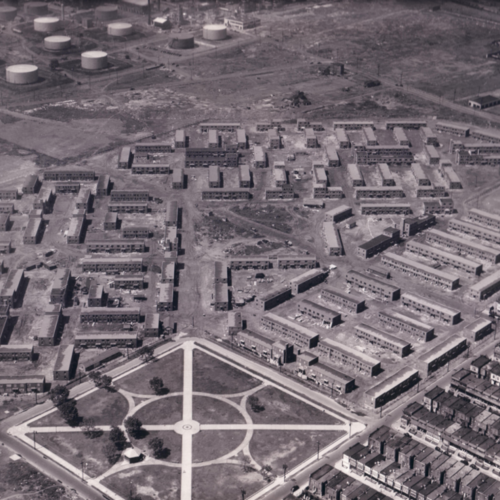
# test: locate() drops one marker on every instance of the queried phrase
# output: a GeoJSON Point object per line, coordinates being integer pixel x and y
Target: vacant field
{"type": "Point", "coordinates": [209, 445]}
{"type": "Point", "coordinates": [216, 377]}
{"type": "Point", "coordinates": [168, 368]}
{"type": "Point", "coordinates": [164, 411]}
{"type": "Point", "coordinates": [213, 411]}
{"type": "Point", "coordinates": [281, 408]}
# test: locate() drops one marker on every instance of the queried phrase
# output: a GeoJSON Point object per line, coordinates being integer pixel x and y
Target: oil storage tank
{"type": "Point", "coordinates": [214, 32]}
{"type": "Point", "coordinates": [46, 24]}
{"type": "Point", "coordinates": [36, 8]}
{"type": "Point", "coordinates": [22, 74]}
{"type": "Point", "coordinates": [7, 13]}
{"type": "Point", "coordinates": [57, 42]}
{"type": "Point", "coordinates": [182, 41]}
{"type": "Point", "coordinates": [94, 59]}
{"type": "Point", "coordinates": [120, 29]}
{"type": "Point", "coordinates": [106, 12]}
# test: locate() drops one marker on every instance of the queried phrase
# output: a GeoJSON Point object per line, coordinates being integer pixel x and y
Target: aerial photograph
{"type": "Point", "coordinates": [250, 249]}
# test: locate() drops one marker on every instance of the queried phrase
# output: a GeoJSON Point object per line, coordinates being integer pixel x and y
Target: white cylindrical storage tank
{"type": "Point", "coordinates": [21, 74]}
{"type": "Point", "coordinates": [120, 29]}
{"type": "Point", "coordinates": [214, 32]}
{"type": "Point", "coordinates": [106, 12]}
{"type": "Point", "coordinates": [95, 59]}
{"type": "Point", "coordinates": [36, 8]}
{"type": "Point", "coordinates": [7, 13]}
{"type": "Point", "coordinates": [57, 42]}
{"type": "Point", "coordinates": [46, 24]}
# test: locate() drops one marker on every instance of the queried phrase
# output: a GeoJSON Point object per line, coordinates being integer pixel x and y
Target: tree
{"type": "Point", "coordinates": [255, 404]}
{"type": "Point", "coordinates": [110, 452]}
{"type": "Point", "coordinates": [285, 467]}
{"type": "Point", "coordinates": [96, 378]}
{"type": "Point", "coordinates": [156, 446]}
{"type": "Point", "coordinates": [69, 412]}
{"type": "Point", "coordinates": [106, 382]}
{"type": "Point", "coordinates": [133, 426]}
{"type": "Point", "coordinates": [147, 353]}
{"type": "Point", "coordinates": [58, 394]}
{"type": "Point", "coordinates": [156, 384]}
{"type": "Point", "coordinates": [100, 380]}
{"type": "Point", "coordinates": [117, 436]}
{"type": "Point", "coordinates": [89, 429]}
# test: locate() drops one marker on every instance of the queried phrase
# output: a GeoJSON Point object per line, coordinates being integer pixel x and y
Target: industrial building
{"type": "Point", "coordinates": [274, 352]}
{"type": "Point", "coordinates": [203, 157]}
{"type": "Point", "coordinates": [462, 245]}
{"type": "Point", "coordinates": [306, 280]}
{"type": "Point", "coordinates": [410, 226]}
{"type": "Point", "coordinates": [165, 297]}
{"type": "Point", "coordinates": [436, 311]}
{"type": "Point", "coordinates": [292, 332]}
{"type": "Point", "coordinates": [392, 387]}
{"type": "Point", "coordinates": [106, 340]}
{"type": "Point", "coordinates": [385, 209]}
{"type": "Point", "coordinates": [379, 243]}
{"type": "Point", "coordinates": [420, 331]}
{"type": "Point", "coordinates": [486, 287]}
{"type": "Point", "coordinates": [441, 354]}
{"type": "Point", "coordinates": [485, 218]}
{"type": "Point", "coordinates": [465, 227]}
{"type": "Point", "coordinates": [378, 192]}
{"type": "Point", "coordinates": [110, 315]}
{"type": "Point", "coordinates": [443, 257]}
{"type": "Point", "coordinates": [60, 286]}
{"type": "Point", "coordinates": [352, 302]}
{"type": "Point", "coordinates": [381, 289]}
{"type": "Point", "coordinates": [338, 353]}
{"type": "Point", "coordinates": [332, 240]}
{"type": "Point", "coordinates": [355, 175]}
{"type": "Point", "coordinates": [338, 214]}
{"type": "Point", "coordinates": [328, 317]}
{"type": "Point", "coordinates": [383, 340]}
{"type": "Point", "coordinates": [233, 194]}
{"type": "Point", "coordinates": [416, 269]}
{"type": "Point", "coordinates": [273, 298]}
{"type": "Point", "coordinates": [112, 265]}
{"type": "Point", "coordinates": [371, 155]}
{"type": "Point", "coordinates": [483, 102]}
{"type": "Point", "coordinates": [420, 176]}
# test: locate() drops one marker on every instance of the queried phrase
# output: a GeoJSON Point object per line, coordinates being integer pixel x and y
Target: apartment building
{"type": "Point", "coordinates": [130, 207]}
{"type": "Point", "coordinates": [103, 186]}
{"type": "Point", "coordinates": [405, 124]}
{"type": "Point", "coordinates": [111, 221]}
{"type": "Point", "coordinates": [465, 227]}
{"type": "Point", "coordinates": [332, 241]}
{"type": "Point", "coordinates": [11, 289]}
{"type": "Point", "coordinates": [116, 246]}
{"type": "Point", "coordinates": [180, 140]}
{"type": "Point", "coordinates": [411, 226]}
{"type": "Point", "coordinates": [363, 192]}
{"type": "Point", "coordinates": [150, 168]}
{"type": "Point", "coordinates": [44, 201]}
{"type": "Point", "coordinates": [110, 315]}
{"type": "Point", "coordinates": [221, 127]}
{"type": "Point", "coordinates": [400, 136]}
{"type": "Point", "coordinates": [31, 184]}
{"type": "Point", "coordinates": [419, 174]}
{"type": "Point", "coordinates": [237, 264]}
{"type": "Point", "coordinates": [260, 157]}
{"type": "Point", "coordinates": [479, 329]}
{"type": "Point", "coordinates": [49, 327]}
{"type": "Point", "coordinates": [355, 175]}
{"type": "Point", "coordinates": [245, 176]}
{"type": "Point", "coordinates": [221, 297]}
{"type": "Point", "coordinates": [431, 191]}
{"type": "Point", "coordinates": [392, 387]}
{"type": "Point", "coordinates": [112, 265]}
{"type": "Point", "coordinates": [443, 206]}
{"type": "Point", "coordinates": [484, 218]}
{"type": "Point", "coordinates": [441, 354]}
{"type": "Point", "coordinates": [311, 139]}
{"type": "Point", "coordinates": [97, 297]}
{"type": "Point", "coordinates": [338, 214]}
{"type": "Point", "coordinates": [4, 222]}
{"type": "Point", "coordinates": [385, 209]}
{"type": "Point", "coordinates": [274, 352]}
{"type": "Point", "coordinates": [306, 280]}
{"type": "Point", "coordinates": [379, 243]}
{"type": "Point", "coordinates": [451, 178]}
{"type": "Point", "coordinates": [33, 232]}
{"type": "Point", "coordinates": [292, 332]}
{"type": "Point", "coordinates": [328, 317]}
{"type": "Point", "coordinates": [342, 138]}
{"type": "Point", "coordinates": [321, 191]}
{"type": "Point", "coordinates": [436, 311]}
{"type": "Point", "coordinates": [106, 340]}
{"type": "Point", "coordinates": [66, 362]}
{"type": "Point", "coordinates": [134, 232]}
{"type": "Point", "coordinates": [453, 128]}
{"type": "Point", "coordinates": [428, 136]}
{"type": "Point", "coordinates": [486, 287]}
{"type": "Point", "coordinates": [69, 175]}
{"type": "Point", "coordinates": [17, 352]}
{"type": "Point", "coordinates": [432, 155]}
{"type": "Point", "coordinates": [177, 178]}
{"type": "Point", "coordinates": [125, 157]}
{"type": "Point", "coordinates": [381, 289]}
{"type": "Point", "coordinates": [371, 155]}
{"type": "Point", "coordinates": [274, 139]}
{"type": "Point", "coordinates": [22, 384]}
{"type": "Point", "coordinates": [352, 302]}
{"type": "Point", "coordinates": [129, 282]}
{"type": "Point", "coordinates": [234, 194]}
{"type": "Point", "coordinates": [371, 138]}
{"type": "Point", "coordinates": [416, 329]}
{"type": "Point", "coordinates": [60, 286]}
{"type": "Point", "coordinates": [387, 177]}
{"type": "Point", "coordinates": [273, 298]}
{"type": "Point", "coordinates": [382, 339]}
{"type": "Point", "coordinates": [296, 261]}
{"type": "Point", "coordinates": [165, 297]}
{"type": "Point", "coordinates": [353, 125]}
{"type": "Point", "coordinates": [333, 157]}
{"type": "Point", "coordinates": [144, 148]}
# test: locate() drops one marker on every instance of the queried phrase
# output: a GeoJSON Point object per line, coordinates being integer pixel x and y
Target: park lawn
{"type": "Point", "coordinates": [282, 408]}
{"type": "Point", "coordinates": [216, 377]}
{"type": "Point", "coordinates": [168, 368]}
{"type": "Point", "coordinates": [208, 410]}
{"type": "Point", "coordinates": [172, 444]}
{"type": "Point", "coordinates": [224, 482]}
{"type": "Point", "coordinates": [75, 447]}
{"type": "Point", "coordinates": [276, 448]}
{"type": "Point", "coordinates": [105, 407]}
{"type": "Point", "coordinates": [161, 412]}
{"type": "Point", "coordinates": [150, 482]}
{"type": "Point", "coordinates": [209, 445]}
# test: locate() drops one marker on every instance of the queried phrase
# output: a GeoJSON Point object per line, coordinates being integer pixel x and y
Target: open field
{"type": "Point", "coordinates": [210, 445]}
{"type": "Point", "coordinates": [208, 410]}
{"type": "Point", "coordinates": [164, 411]}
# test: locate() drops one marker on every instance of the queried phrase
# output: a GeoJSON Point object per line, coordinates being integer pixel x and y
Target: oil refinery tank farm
{"type": "Point", "coordinates": [7, 13]}
{"type": "Point", "coordinates": [36, 8]}
{"type": "Point", "coordinates": [106, 12]}
{"type": "Point", "coordinates": [22, 74]}
{"type": "Point", "coordinates": [182, 41]}
{"type": "Point", "coordinates": [120, 29]}
{"type": "Point", "coordinates": [46, 24]}
{"type": "Point", "coordinates": [57, 42]}
{"type": "Point", "coordinates": [214, 32]}
{"type": "Point", "coordinates": [94, 59]}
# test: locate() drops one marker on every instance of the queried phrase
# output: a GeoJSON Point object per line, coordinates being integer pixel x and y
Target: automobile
{"type": "Point", "coordinates": [295, 488]}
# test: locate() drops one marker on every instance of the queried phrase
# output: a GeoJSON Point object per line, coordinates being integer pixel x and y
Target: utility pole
{"type": "Point", "coordinates": [34, 440]}
{"type": "Point", "coordinates": [318, 450]}
{"type": "Point", "coordinates": [82, 469]}
{"type": "Point", "coordinates": [149, 12]}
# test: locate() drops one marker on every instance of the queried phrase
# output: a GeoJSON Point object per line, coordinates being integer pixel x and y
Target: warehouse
{"type": "Point", "coordinates": [112, 265]}
{"type": "Point", "coordinates": [69, 175]}
{"type": "Point", "coordinates": [332, 155]}
{"type": "Point", "coordinates": [431, 191]}
{"type": "Point", "coordinates": [453, 128]}
{"type": "Point", "coordinates": [486, 287]}
{"type": "Point", "coordinates": [355, 175]}
{"type": "Point", "coordinates": [96, 296]}
{"type": "Point", "coordinates": [353, 125]}
{"type": "Point", "coordinates": [485, 218]}
{"type": "Point", "coordinates": [378, 244]}
{"type": "Point", "coordinates": [143, 148]}
{"type": "Point", "coordinates": [233, 194]}
{"type": "Point", "coordinates": [432, 155]}
{"type": "Point", "coordinates": [416, 269]}
{"type": "Point", "coordinates": [464, 227]}
{"type": "Point", "coordinates": [249, 263]}
{"type": "Point", "coordinates": [125, 157]}
{"type": "Point", "coordinates": [221, 127]}
{"type": "Point", "coordinates": [428, 136]}
{"type": "Point", "coordinates": [106, 340]}
{"type": "Point", "coordinates": [311, 139]}
{"type": "Point", "coordinates": [371, 155]}
{"type": "Point", "coordinates": [44, 201]}
{"type": "Point", "coordinates": [245, 176]}
{"type": "Point", "coordinates": [443, 353]}
{"type": "Point", "coordinates": [413, 225]}
{"type": "Point", "coordinates": [22, 384]}
{"type": "Point", "coordinates": [392, 387]}
{"type": "Point", "coordinates": [381, 289]}
{"type": "Point", "coordinates": [345, 355]}
{"type": "Point", "coordinates": [307, 280]}
{"type": "Point", "coordinates": [273, 298]}
{"type": "Point", "coordinates": [443, 257]}
{"type": "Point", "coordinates": [31, 184]}
{"type": "Point", "coordinates": [111, 221]}
{"type": "Point", "coordinates": [328, 317]}
{"type": "Point", "coordinates": [276, 353]}
{"type": "Point", "coordinates": [165, 297]}
{"type": "Point", "coordinates": [135, 195]}
{"type": "Point", "coordinates": [479, 329]}
{"type": "Point", "coordinates": [129, 207]}
{"type": "Point", "coordinates": [292, 332]}
{"type": "Point", "coordinates": [434, 310]}
{"type": "Point", "coordinates": [420, 177]}
{"type": "Point", "coordinates": [115, 246]}
{"type": "Point", "coordinates": [462, 245]}
{"type": "Point", "coordinates": [12, 288]}
{"type": "Point", "coordinates": [342, 139]}
{"type": "Point", "coordinates": [320, 191]}
{"type": "Point", "coordinates": [332, 240]}
{"type": "Point", "coordinates": [405, 124]}
{"type": "Point", "coordinates": [66, 362]}
{"type": "Point", "coordinates": [371, 139]}
{"type": "Point", "coordinates": [400, 136]}
{"type": "Point", "coordinates": [483, 102]}
{"type": "Point", "coordinates": [387, 177]}
{"type": "Point", "coordinates": [129, 282]}
{"type": "Point", "coordinates": [338, 214]}
{"type": "Point", "coordinates": [285, 262]}
{"type": "Point", "coordinates": [378, 192]}
{"type": "Point", "coordinates": [352, 302]}
{"type": "Point", "coordinates": [60, 286]}
{"type": "Point", "coordinates": [17, 352]}
{"type": "Point", "coordinates": [103, 186]}
{"type": "Point", "coordinates": [177, 179]}
{"type": "Point", "coordinates": [110, 315]}
{"type": "Point", "coordinates": [33, 232]}
{"type": "Point", "coordinates": [383, 340]}
{"type": "Point", "coordinates": [417, 329]}
{"type": "Point", "coordinates": [260, 157]}
{"type": "Point", "coordinates": [451, 178]}
{"type": "Point", "coordinates": [136, 232]}
{"type": "Point", "coordinates": [385, 209]}
{"type": "Point", "coordinates": [48, 330]}
{"type": "Point", "coordinates": [150, 168]}
{"type": "Point", "coordinates": [101, 359]}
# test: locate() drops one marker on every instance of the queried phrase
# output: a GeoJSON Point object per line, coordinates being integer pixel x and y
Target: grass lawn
{"type": "Point", "coordinates": [75, 447]}
{"type": "Point", "coordinates": [282, 408]}
{"type": "Point", "coordinates": [209, 445]}
{"type": "Point", "coordinates": [276, 448]}
{"type": "Point", "coordinates": [224, 482]}
{"type": "Point", "coordinates": [105, 407]}
{"type": "Point", "coordinates": [169, 369]}
{"type": "Point", "coordinates": [172, 445]}
{"type": "Point", "coordinates": [163, 411]}
{"type": "Point", "coordinates": [213, 411]}
{"type": "Point", "coordinates": [216, 377]}
{"type": "Point", "coordinates": [150, 482]}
